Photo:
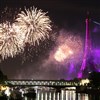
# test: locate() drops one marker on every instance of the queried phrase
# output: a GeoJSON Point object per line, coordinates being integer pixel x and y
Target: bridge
{"type": "Point", "coordinates": [45, 83]}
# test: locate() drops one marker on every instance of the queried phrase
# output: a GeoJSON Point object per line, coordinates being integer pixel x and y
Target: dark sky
{"type": "Point", "coordinates": [60, 10]}
{"type": "Point", "coordinates": [68, 14]}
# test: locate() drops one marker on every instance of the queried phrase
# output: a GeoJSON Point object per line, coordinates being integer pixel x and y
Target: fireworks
{"type": "Point", "coordinates": [62, 53]}
{"type": "Point", "coordinates": [69, 47]}
{"type": "Point", "coordinates": [34, 24]}
{"type": "Point", "coordinates": [30, 26]}
{"type": "Point", "coordinates": [10, 43]}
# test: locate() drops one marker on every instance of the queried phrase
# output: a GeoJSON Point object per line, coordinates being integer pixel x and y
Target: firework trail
{"type": "Point", "coordinates": [10, 41]}
{"type": "Point", "coordinates": [96, 22]}
{"type": "Point", "coordinates": [34, 24]}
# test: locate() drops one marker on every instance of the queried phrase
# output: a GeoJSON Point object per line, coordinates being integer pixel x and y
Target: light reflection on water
{"type": "Point", "coordinates": [63, 95]}
{"type": "Point", "coordinates": [83, 97]}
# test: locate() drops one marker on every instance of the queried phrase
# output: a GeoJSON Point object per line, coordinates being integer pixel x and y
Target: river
{"type": "Point", "coordinates": [64, 94]}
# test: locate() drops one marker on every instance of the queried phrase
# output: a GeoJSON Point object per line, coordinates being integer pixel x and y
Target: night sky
{"type": "Point", "coordinates": [66, 15]}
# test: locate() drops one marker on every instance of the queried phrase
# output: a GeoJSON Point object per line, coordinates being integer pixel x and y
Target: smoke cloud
{"type": "Point", "coordinates": [48, 68]}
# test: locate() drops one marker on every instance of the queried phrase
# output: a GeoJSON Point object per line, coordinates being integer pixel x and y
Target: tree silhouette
{"type": "Point", "coordinates": [95, 78]}
{"type": "Point", "coordinates": [2, 77]}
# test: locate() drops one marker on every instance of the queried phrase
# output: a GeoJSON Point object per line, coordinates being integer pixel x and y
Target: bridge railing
{"type": "Point", "coordinates": [41, 83]}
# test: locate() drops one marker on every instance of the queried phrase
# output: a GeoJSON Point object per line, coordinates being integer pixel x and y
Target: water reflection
{"type": "Point", "coordinates": [53, 95]}
{"type": "Point", "coordinates": [64, 94]}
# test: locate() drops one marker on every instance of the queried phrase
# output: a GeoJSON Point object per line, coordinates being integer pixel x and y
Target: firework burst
{"type": "Point", "coordinates": [63, 52]}
{"type": "Point", "coordinates": [10, 42]}
{"type": "Point", "coordinates": [69, 47]}
{"type": "Point", "coordinates": [34, 24]}
{"type": "Point", "coordinates": [30, 26]}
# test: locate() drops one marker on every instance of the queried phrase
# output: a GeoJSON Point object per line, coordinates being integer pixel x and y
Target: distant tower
{"type": "Point", "coordinates": [84, 68]}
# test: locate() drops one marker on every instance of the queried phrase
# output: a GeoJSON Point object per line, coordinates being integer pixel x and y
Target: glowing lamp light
{"type": "Point", "coordinates": [85, 81]}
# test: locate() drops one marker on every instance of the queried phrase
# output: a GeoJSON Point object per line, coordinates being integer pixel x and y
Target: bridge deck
{"type": "Point", "coordinates": [41, 83]}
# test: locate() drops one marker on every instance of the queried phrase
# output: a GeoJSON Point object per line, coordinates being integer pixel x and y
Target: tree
{"type": "Point", "coordinates": [2, 77]}
{"type": "Point", "coordinates": [95, 78]}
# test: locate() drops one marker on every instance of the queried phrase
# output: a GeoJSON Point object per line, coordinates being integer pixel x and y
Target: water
{"type": "Point", "coordinates": [64, 94]}
{"type": "Point", "coordinates": [69, 93]}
